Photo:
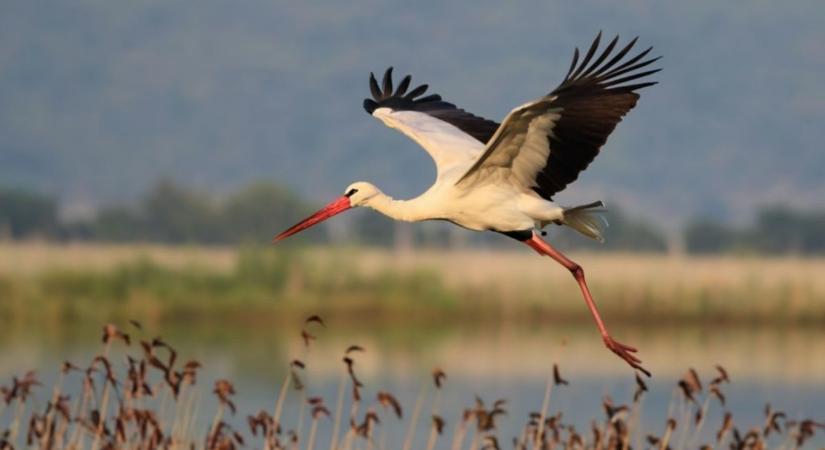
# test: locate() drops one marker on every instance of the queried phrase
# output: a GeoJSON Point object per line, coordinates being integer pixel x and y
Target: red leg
{"type": "Point", "coordinates": [625, 352]}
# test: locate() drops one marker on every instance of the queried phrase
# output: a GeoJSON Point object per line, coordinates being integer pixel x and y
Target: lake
{"type": "Point", "coordinates": [781, 366]}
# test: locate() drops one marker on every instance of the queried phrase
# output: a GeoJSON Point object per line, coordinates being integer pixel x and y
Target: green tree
{"type": "Point", "coordinates": [118, 224]}
{"type": "Point", "coordinates": [24, 213]}
{"type": "Point", "coordinates": [261, 210]}
{"type": "Point", "coordinates": [707, 236]}
{"type": "Point", "coordinates": [783, 230]}
{"type": "Point", "coordinates": [172, 213]}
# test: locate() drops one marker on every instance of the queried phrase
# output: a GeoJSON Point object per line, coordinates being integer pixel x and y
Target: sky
{"type": "Point", "coordinates": [100, 99]}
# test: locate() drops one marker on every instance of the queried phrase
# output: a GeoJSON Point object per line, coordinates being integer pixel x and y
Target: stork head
{"type": "Point", "coordinates": [356, 194]}
{"type": "Point", "coordinates": [360, 193]}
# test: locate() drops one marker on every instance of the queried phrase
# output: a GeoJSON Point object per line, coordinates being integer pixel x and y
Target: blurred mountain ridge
{"type": "Point", "coordinates": [98, 100]}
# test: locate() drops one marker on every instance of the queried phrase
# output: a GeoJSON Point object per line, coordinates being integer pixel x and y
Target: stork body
{"type": "Point", "coordinates": [503, 177]}
{"type": "Point", "coordinates": [488, 208]}
{"type": "Point", "coordinates": [487, 203]}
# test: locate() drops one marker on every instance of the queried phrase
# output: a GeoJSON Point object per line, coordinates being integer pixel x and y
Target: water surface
{"type": "Point", "coordinates": [783, 367]}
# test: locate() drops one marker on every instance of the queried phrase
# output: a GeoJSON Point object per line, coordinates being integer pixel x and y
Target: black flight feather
{"type": "Point", "coordinates": [433, 105]}
{"type": "Point", "coordinates": [402, 87]}
{"type": "Point", "coordinates": [387, 82]}
{"type": "Point", "coordinates": [593, 99]}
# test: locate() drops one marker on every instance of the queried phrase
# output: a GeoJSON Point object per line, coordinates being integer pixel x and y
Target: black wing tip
{"type": "Point", "coordinates": [607, 69]}
{"type": "Point", "coordinates": [370, 106]}
{"type": "Point", "coordinates": [384, 93]}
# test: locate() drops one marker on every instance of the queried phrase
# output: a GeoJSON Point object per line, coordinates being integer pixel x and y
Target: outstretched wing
{"type": "Point", "coordinates": [449, 134]}
{"type": "Point", "coordinates": [544, 145]}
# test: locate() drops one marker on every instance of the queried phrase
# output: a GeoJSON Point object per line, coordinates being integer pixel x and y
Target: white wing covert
{"type": "Point", "coordinates": [453, 137]}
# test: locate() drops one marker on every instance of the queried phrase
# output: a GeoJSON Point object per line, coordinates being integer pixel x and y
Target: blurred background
{"type": "Point", "coordinates": [149, 151]}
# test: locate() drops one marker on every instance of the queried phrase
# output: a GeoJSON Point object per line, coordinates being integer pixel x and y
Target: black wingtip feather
{"type": "Point", "coordinates": [429, 98]}
{"type": "Point", "coordinates": [636, 87]}
{"type": "Point", "coordinates": [383, 96]}
{"type": "Point", "coordinates": [387, 83]}
{"type": "Point", "coordinates": [619, 72]}
{"type": "Point", "coordinates": [627, 63]}
{"type": "Point", "coordinates": [590, 52]}
{"type": "Point", "coordinates": [417, 91]}
{"type": "Point", "coordinates": [602, 57]}
{"type": "Point", "coordinates": [370, 106]}
{"type": "Point", "coordinates": [374, 90]}
{"type": "Point", "coordinates": [617, 58]}
{"type": "Point", "coordinates": [573, 64]}
{"type": "Point", "coordinates": [402, 87]}
{"type": "Point", "coordinates": [630, 78]}
{"type": "Point", "coordinates": [607, 71]}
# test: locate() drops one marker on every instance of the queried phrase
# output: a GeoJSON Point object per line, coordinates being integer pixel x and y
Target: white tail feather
{"type": "Point", "coordinates": [587, 219]}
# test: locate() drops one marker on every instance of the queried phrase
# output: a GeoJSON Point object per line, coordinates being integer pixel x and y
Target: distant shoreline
{"type": "Point", "coordinates": [40, 281]}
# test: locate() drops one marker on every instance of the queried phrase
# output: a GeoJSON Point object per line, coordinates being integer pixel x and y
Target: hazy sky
{"type": "Point", "coordinates": [99, 99]}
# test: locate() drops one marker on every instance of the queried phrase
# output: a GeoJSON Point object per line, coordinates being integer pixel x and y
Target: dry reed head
{"type": "Point", "coordinates": [727, 425]}
{"type": "Point", "coordinates": [806, 430]}
{"type": "Point", "coordinates": [110, 332]}
{"type": "Point", "coordinates": [692, 379]}
{"type": "Point", "coordinates": [490, 443]}
{"type": "Point", "coordinates": [21, 388]}
{"type": "Point", "coordinates": [364, 428]}
{"type": "Point", "coordinates": [723, 375]}
{"type": "Point", "coordinates": [690, 385]}
{"type": "Point", "coordinates": [315, 319]}
{"type": "Point", "coordinates": [387, 400]}
{"type": "Point", "coordinates": [438, 424]}
{"type": "Point", "coordinates": [641, 388]}
{"type": "Point", "coordinates": [224, 390]}
{"type": "Point", "coordinates": [308, 338]}
{"type": "Point", "coordinates": [319, 411]}
{"type": "Point", "coordinates": [354, 348]}
{"type": "Point", "coordinates": [486, 418]}
{"type": "Point", "coordinates": [438, 377]}
{"type": "Point", "coordinates": [557, 379]}
{"type": "Point", "coordinates": [260, 423]}
{"type": "Point", "coordinates": [773, 421]}
{"type": "Point", "coordinates": [225, 438]}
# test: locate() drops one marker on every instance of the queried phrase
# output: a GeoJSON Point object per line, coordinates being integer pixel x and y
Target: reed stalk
{"type": "Point", "coordinates": [545, 404]}
{"type": "Point", "coordinates": [419, 401]}
{"type": "Point", "coordinates": [698, 430]}
{"type": "Point", "coordinates": [105, 402]}
{"type": "Point", "coordinates": [45, 442]}
{"type": "Point", "coordinates": [339, 409]}
{"type": "Point", "coordinates": [663, 445]}
{"type": "Point", "coordinates": [20, 409]}
{"type": "Point", "coordinates": [213, 430]}
{"type": "Point", "coordinates": [276, 413]}
{"type": "Point", "coordinates": [313, 428]}
{"type": "Point", "coordinates": [81, 412]}
{"type": "Point", "coordinates": [459, 433]}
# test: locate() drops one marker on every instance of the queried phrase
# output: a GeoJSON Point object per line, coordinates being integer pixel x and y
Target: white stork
{"type": "Point", "coordinates": [502, 177]}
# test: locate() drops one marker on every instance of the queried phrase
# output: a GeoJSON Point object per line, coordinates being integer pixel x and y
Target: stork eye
{"type": "Point", "coordinates": [351, 192]}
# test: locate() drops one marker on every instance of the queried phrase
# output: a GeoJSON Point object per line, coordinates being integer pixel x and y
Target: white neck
{"type": "Point", "coordinates": [406, 210]}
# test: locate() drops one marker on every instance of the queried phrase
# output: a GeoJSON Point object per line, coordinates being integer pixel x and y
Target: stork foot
{"type": "Point", "coordinates": [626, 352]}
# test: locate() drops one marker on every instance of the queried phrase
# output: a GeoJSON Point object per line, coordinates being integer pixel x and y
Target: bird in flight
{"type": "Point", "coordinates": [503, 177]}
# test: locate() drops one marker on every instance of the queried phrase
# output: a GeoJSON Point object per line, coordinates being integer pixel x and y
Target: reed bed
{"type": "Point", "coordinates": [116, 282]}
{"type": "Point", "coordinates": [138, 394]}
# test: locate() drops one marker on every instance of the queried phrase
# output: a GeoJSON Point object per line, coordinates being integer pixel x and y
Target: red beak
{"type": "Point", "coordinates": [337, 206]}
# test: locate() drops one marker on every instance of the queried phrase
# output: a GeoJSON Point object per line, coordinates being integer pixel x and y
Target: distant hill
{"type": "Point", "coordinates": [99, 99]}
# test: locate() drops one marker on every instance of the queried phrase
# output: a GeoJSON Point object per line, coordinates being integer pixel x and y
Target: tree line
{"type": "Point", "coordinates": [172, 213]}
{"type": "Point", "coordinates": [776, 230]}
{"type": "Point", "coordinates": [167, 213]}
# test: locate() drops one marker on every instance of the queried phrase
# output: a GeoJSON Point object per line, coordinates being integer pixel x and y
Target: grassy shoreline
{"type": "Point", "coordinates": [50, 282]}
